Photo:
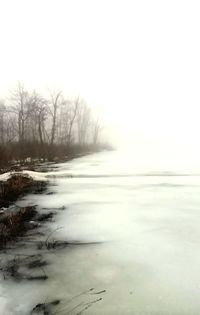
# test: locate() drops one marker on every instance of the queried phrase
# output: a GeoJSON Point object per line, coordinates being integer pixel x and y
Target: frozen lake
{"type": "Point", "coordinates": [140, 231]}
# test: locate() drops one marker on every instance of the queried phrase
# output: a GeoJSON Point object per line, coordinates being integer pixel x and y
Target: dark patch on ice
{"type": "Point", "coordinates": [21, 268]}
{"type": "Point", "coordinates": [45, 308]}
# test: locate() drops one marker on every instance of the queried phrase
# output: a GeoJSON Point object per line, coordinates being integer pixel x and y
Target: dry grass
{"type": "Point", "coordinates": [16, 185]}
{"type": "Point", "coordinates": [13, 224]}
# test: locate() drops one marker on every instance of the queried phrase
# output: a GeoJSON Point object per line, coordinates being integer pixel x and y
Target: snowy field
{"type": "Point", "coordinates": [136, 240]}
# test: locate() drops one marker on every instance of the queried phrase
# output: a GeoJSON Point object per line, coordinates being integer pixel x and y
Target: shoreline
{"type": "Point", "coordinates": [26, 251]}
{"type": "Point", "coordinates": [15, 221]}
{"type": "Point", "coordinates": [24, 240]}
{"type": "Point", "coordinates": [16, 182]}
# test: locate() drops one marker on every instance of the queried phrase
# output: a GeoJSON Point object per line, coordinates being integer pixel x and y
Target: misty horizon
{"type": "Point", "coordinates": [99, 157]}
{"type": "Point", "coordinates": [136, 63]}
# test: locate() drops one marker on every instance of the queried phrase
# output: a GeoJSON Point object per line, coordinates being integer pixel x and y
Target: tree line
{"type": "Point", "coordinates": [37, 127]}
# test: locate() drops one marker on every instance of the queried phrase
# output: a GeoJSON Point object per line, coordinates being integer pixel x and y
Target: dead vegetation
{"type": "Point", "coordinates": [77, 305]}
{"type": "Point", "coordinates": [14, 220]}
{"type": "Point", "coordinates": [19, 184]}
{"type": "Point", "coordinates": [30, 267]}
{"type": "Point", "coordinates": [45, 308]}
{"type": "Point", "coordinates": [13, 223]}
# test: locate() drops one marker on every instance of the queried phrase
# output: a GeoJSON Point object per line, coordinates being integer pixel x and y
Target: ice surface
{"type": "Point", "coordinates": [141, 231]}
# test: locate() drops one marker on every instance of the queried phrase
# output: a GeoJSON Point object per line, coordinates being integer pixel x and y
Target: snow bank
{"type": "Point", "coordinates": [38, 176]}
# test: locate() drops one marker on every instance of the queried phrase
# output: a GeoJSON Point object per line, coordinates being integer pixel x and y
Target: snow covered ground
{"type": "Point", "coordinates": [35, 175]}
{"type": "Point", "coordinates": [140, 241]}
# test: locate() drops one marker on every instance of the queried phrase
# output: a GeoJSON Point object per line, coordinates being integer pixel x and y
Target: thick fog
{"type": "Point", "coordinates": [136, 62]}
{"type": "Point", "coordinates": [132, 216]}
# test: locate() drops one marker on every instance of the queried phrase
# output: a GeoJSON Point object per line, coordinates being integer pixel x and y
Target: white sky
{"type": "Point", "coordinates": [137, 60]}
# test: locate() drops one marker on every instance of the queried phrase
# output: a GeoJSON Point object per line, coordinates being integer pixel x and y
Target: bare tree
{"type": "Point", "coordinates": [32, 126]}
{"type": "Point", "coordinates": [53, 109]}
{"type": "Point", "coordinates": [72, 113]}
{"type": "Point", "coordinates": [2, 122]}
{"type": "Point", "coordinates": [8, 126]}
{"type": "Point", "coordinates": [83, 122]}
{"type": "Point", "coordinates": [21, 107]}
{"type": "Point", "coordinates": [96, 127]}
{"type": "Point", "coordinates": [40, 111]}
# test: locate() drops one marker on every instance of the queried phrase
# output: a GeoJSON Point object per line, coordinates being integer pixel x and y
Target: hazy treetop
{"type": "Point", "coordinates": [137, 60]}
